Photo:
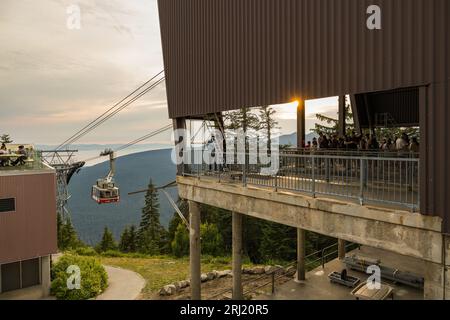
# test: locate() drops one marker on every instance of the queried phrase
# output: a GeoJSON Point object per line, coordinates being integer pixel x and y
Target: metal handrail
{"type": "Point", "coordinates": [391, 180]}
{"type": "Point", "coordinates": [273, 276]}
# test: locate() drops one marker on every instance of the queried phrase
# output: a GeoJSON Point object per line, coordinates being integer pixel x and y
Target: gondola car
{"type": "Point", "coordinates": [105, 190]}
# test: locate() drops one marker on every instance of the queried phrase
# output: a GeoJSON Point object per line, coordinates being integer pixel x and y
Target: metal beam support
{"type": "Point", "coordinates": [301, 124]}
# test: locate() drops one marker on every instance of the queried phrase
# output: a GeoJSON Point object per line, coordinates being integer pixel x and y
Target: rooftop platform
{"type": "Point", "coordinates": [31, 164]}
{"type": "Point", "coordinates": [318, 287]}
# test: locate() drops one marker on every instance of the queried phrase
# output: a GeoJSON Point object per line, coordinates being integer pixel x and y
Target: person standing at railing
{"type": "Point", "coordinates": [402, 142]}
{"type": "Point", "coordinates": [3, 150]}
{"type": "Point", "coordinates": [414, 145]}
{"type": "Point", "coordinates": [315, 144]}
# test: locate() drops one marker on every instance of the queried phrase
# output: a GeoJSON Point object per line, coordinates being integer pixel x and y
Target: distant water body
{"type": "Point", "coordinates": [89, 151]}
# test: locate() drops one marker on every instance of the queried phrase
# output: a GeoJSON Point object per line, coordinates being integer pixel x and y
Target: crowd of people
{"type": "Point", "coordinates": [364, 142]}
{"type": "Point", "coordinates": [19, 156]}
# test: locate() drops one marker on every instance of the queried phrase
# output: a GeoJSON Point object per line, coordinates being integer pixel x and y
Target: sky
{"type": "Point", "coordinates": [54, 80]}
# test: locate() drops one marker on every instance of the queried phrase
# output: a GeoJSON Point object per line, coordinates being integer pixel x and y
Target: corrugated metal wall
{"type": "Point", "coordinates": [225, 54]}
{"type": "Point", "coordinates": [30, 231]}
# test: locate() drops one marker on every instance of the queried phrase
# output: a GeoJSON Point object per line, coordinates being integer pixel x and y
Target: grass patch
{"type": "Point", "coordinates": [162, 270]}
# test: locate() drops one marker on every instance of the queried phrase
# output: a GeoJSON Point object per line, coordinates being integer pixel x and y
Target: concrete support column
{"type": "Point", "coordinates": [301, 242]}
{"type": "Point", "coordinates": [301, 124]}
{"type": "Point", "coordinates": [180, 141]}
{"type": "Point", "coordinates": [437, 276]}
{"type": "Point", "coordinates": [45, 276]}
{"type": "Point", "coordinates": [237, 256]}
{"type": "Point", "coordinates": [341, 249]}
{"type": "Point", "coordinates": [194, 249]}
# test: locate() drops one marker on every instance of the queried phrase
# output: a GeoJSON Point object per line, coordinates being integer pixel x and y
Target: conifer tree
{"type": "Point", "coordinates": [132, 240]}
{"type": "Point", "coordinates": [267, 123]}
{"type": "Point", "coordinates": [107, 242]}
{"type": "Point", "coordinates": [278, 242]}
{"type": "Point", "coordinates": [241, 119]}
{"type": "Point", "coordinates": [5, 138]}
{"type": "Point", "coordinates": [124, 243]}
{"type": "Point", "coordinates": [151, 234]}
{"type": "Point", "coordinates": [67, 237]}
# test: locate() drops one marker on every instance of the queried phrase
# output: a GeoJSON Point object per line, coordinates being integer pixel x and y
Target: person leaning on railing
{"type": "Point", "coordinates": [3, 150]}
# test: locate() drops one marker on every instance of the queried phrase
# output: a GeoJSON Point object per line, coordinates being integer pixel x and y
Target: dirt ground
{"type": "Point", "coordinates": [220, 289]}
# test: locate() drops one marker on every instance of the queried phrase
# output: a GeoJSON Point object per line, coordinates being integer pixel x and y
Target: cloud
{"type": "Point", "coordinates": [53, 80]}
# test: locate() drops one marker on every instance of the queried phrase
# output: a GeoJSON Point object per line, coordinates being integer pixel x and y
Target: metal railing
{"type": "Point", "coordinates": [370, 178]}
{"type": "Point", "coordinates": [312, 261]}
{"type": "Point", "coordinates": [31, 161]}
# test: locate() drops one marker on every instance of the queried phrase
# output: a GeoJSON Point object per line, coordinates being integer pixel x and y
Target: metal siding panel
{"type": "Point", "coordinates": [253, 53]}
{"type": "Point", "coordinates": [30, 231]}
{"type": "Point", "coordinates": [263, 67]}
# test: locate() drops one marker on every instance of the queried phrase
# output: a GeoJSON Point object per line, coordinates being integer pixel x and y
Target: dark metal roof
{"type": "Point", "coordinates": [225, 54]}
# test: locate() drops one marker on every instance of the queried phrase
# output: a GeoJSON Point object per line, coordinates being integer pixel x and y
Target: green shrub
{"type": "Point", "coordinates": [93, 278]}
{"type": "Point", "coordinates": [113, 254]}
{"type": "Point", "coordinates": [180, 243]}
{"type": "Point", "coordinates": [212, 242]}
{"type": "Point", "coordinates": [85, 251]}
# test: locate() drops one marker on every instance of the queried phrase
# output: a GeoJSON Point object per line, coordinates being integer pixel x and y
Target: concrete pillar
{"type": "Point", "coordinates": [180, 142]}
{"type": "Point", "coordinates": [45, 276]}
{"type": "Point", "coordinates": [342, 124]}
{"type": "Point", "coordinates": [301, 124]}
{"type": "Point", "coordinates": [341, 249]}
{"type": "Point", "coordinates": [437, 284]}
{"type": "Point", "coordinates": [437, 276]}
{"type": "Point", "coordinates": [301, 242]}
{"type": "Point", "coordinates": [237, 256]}
{"type": "Point", "coordinates": [194, 249]}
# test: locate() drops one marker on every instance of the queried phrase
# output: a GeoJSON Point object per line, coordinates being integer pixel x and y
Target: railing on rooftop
{"type": "Point", "coordinates": [377, 177]}
{"type": "Point", "coordinates": [32, 161]}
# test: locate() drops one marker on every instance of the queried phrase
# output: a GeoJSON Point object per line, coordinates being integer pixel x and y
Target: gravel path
{"type": "Point", "coordinates": [123, 285]}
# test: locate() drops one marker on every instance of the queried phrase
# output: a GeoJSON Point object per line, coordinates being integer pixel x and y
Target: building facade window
{"type": "Point", "coordinates": [7, 205]}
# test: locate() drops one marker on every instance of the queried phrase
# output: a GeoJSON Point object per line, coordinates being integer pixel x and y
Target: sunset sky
{"type": "Point", "coordinates": [54, 80]}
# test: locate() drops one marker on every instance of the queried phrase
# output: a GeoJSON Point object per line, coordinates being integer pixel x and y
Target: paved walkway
{"type": "Point", "coordinates": [318, 287]}
{"type": "Point", "coordinates": [123, 285]}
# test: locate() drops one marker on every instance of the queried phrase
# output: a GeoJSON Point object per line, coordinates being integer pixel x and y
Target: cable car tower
{"type": "Point", "coordinates": [65, 165]}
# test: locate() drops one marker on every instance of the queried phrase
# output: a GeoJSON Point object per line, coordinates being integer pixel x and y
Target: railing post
{"type": "Point", "coordinates": [361, 186]}
{"type": "Point", "coordinates": [273, 282]}
{"type": "Point", "coordinates": [327, 170]}
{"type": "Point", "coordinates": [323, 258]}
{"type": "Point", "coordinates": [244, 171]}
{"type": "Point", "coordinates": [313, 177]}
{"type": "Point", "coordinates": [276, 182]}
